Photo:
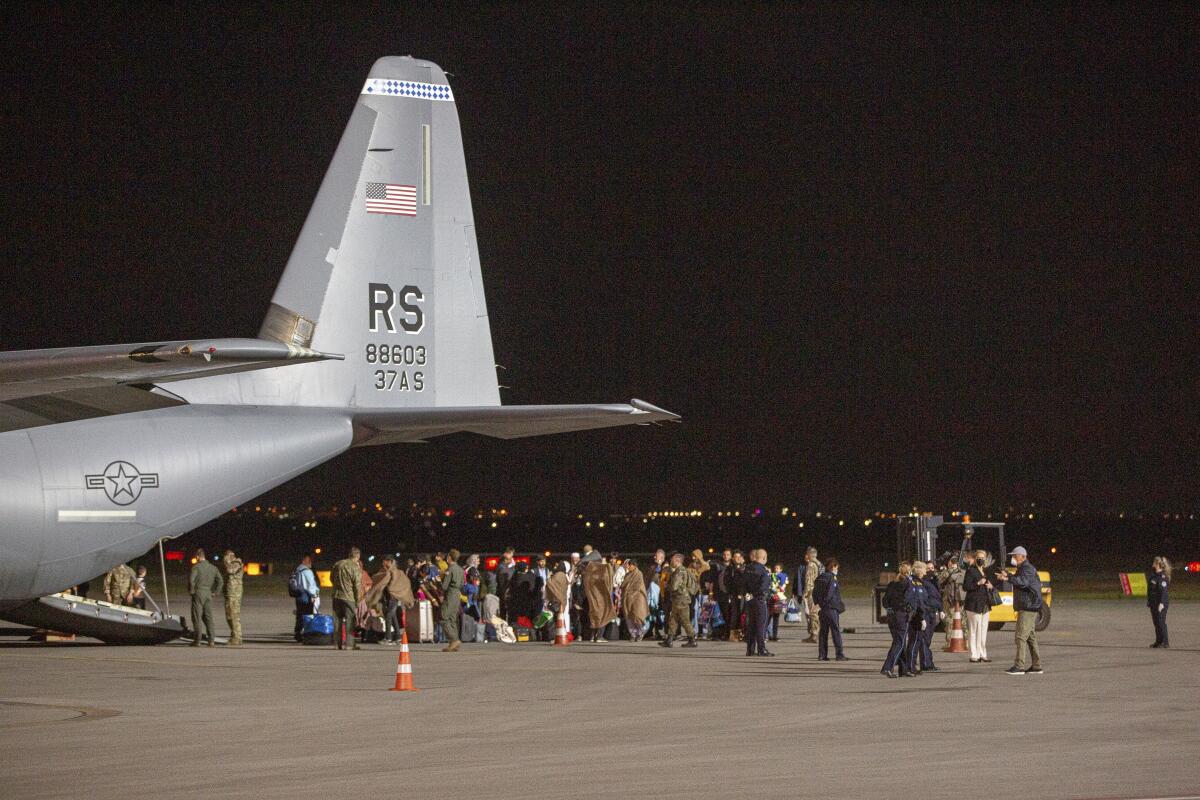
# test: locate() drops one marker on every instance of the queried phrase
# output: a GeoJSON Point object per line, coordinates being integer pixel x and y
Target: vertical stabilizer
{"type": "Point", "coordinates": [386, 269]}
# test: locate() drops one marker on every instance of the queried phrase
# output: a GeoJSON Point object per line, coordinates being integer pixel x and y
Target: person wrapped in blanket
{"type": "Point", "coordinates": [635, 607]}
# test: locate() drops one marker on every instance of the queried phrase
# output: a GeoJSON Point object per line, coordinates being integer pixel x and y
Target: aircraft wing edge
{"type": "Point", "coordinates": [382, 426]}
{"type": "Point", "coordinates": [29, 373]}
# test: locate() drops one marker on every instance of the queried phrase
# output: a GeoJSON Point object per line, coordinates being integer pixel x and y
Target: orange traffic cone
{"type": "Point", "coordinates": [957, 643]}
{"type": "Point", "coordinates": [562, 637]}
{"type": "Point", "coordinates": [404, 682]}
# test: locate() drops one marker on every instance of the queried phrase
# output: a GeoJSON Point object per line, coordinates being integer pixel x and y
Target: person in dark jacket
{"type": "Point", "coordinates": [978, 604]}
{"type": "Point", "coordinates": [917, 596]}
{"type": "Point", "coordinates": [522, 592]}
{"type": "Point", "coordinates": [731, 578]}
{"type": "Point", "coordinates": [828, 597]}
{"type": "Point", "coordinates": [895, 602]}
{"type": "Point", "coordinates": [1027, 601]}
{"type": "Point", "coordinates": [932, 615]}
{"type": "Point", "coordinates": [1157, 581]}
{"type": "Point", "coordinates": [504, 575]}
{"type": "Point", "coordinates": [756, 581]}
{"type": "Point", "coordinates": [724, 598]}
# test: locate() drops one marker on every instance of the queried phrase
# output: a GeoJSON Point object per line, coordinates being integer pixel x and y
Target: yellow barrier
{"type": "Point", "coordinates": [323, 578]}
{"type": "Point", "coordinates": [1133, 583]}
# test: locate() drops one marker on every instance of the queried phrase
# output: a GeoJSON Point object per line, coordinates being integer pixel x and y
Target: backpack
{"type": "Point", "coordinates": [295, 584]}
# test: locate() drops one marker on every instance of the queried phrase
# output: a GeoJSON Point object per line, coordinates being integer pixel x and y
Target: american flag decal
{"type": "Point", "coordinates": [391, 198]}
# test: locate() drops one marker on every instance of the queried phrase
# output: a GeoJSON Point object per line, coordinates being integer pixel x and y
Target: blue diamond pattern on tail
{"type": "Point", "coordinates": [414, 89]}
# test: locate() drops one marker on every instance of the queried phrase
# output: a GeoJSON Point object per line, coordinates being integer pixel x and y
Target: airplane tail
{"type": "Point", "coordinates": [386, 272]}
{"type": "Point", "coordinates": [386, 269]}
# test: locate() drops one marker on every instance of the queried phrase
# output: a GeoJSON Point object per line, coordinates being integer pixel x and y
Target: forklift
{"type": "Point", "coordinates": [916, 538]}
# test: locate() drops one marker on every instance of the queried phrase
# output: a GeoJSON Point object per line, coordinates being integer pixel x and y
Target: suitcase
{"type": "Point", "coordinates": [316, 629]}
{"type": "Point", "coordinates": [468, 628]}
{"type": "Point", "coordinates": [419, 622]}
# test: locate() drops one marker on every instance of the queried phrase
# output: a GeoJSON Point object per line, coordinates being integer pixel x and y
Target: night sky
{"type": "Point", "coordinates": [875, 257]}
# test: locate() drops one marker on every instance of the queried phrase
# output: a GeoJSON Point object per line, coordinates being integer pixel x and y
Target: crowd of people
{"type": "Point", "coordinates": [680, 599]}
{"type": "Point", "coordinates": [677, 599]}
{"type": "Point", "coordinates": [688, 598]}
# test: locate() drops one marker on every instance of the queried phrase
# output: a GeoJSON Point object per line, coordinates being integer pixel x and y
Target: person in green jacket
{"type": "Point", "coordinates": [346, 577]}
{"type": "Point", "coordinates": [683, 589]}
{"type": "Point", "coordinates": [453, 581]}
{"type": "Point", "coordinates": [204, 581]}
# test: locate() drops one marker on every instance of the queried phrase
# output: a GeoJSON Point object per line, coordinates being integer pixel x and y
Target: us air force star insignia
{"type": "Point", "coordinates": [122, 482]}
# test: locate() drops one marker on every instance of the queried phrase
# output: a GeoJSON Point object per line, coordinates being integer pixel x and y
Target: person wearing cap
{"type": "Point", "coordinates": [1027, 601]}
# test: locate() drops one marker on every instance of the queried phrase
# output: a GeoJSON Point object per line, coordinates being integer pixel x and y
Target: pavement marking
{"type": "Point", "coordinates": [82, 713]}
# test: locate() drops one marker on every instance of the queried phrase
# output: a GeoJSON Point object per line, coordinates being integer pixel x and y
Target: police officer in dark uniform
{"type": "Point", "coordinates": [917, 596]}
{"type": "Point", "coordinates": [757, 584]}
{"type": "Point", "coordinates": [931, 613]}
{"type": "Point", "coordinates": [896, 603]}
{"type": "Point", "coordinates": [828, 598]}
{"type": "Point", "coordinates": [1158, 579]}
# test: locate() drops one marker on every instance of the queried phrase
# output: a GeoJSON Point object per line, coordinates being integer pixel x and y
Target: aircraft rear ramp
{"type": "Point", "coordinates": [109, 623]}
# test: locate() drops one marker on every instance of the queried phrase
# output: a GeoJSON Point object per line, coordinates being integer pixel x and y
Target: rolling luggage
{"type": "Point", "coordinates": [316, 629]}
{"type": "Point", "coordinates": [468, 628]}
{"type": "Point", "coordinates": [419, 622]}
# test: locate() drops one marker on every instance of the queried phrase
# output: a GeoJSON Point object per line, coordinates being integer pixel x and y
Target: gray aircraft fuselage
{"type": "Point", "coordinates": [82, 496]}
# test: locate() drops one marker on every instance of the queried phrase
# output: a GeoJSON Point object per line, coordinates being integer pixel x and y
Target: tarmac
{"type": "Point", "coordinates": [1110, 718]}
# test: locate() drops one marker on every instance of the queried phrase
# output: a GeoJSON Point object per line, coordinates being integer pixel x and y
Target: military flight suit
{"type": "Point", "coordinates": [452, 585]}
{"type": "Point", "coordinates": [346, 577]}
{"type": "Point", "coordinates": [811, 570]}
{"type": "Point", "coordinates": [118, 583]}
{"type": "Point", "coordinates": [233, 568]}
{"type": "Point", "coordinates": [683, 588]}
{"type": "Point", "coordinates": [203, 582]}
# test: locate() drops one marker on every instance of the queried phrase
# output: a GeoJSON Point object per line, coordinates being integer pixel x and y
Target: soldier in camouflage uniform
{"type": "Point", "coordinates": [118, 584]}
{"type": "Point", "coordinates": [812, 568]}
{"type": "Point", "coordinates": [203, 582]}
{"type": "Point", "coordinates": [682, 588]}
{"type": "Point", "coordinates": [232, 566]}
{"type": "Point", "coordinates": [346, 577]}
{"type": "Point", "coordinates": [950, 580]}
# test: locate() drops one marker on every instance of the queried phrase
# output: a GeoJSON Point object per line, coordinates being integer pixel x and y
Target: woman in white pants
{"type": "Point", "coordinates": [978, 604]}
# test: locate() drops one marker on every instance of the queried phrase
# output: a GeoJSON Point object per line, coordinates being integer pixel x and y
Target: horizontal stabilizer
{"type": "Point", "coordinates": [30, 373]}
{"type": "Point", "coordinates": [384, 426]}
